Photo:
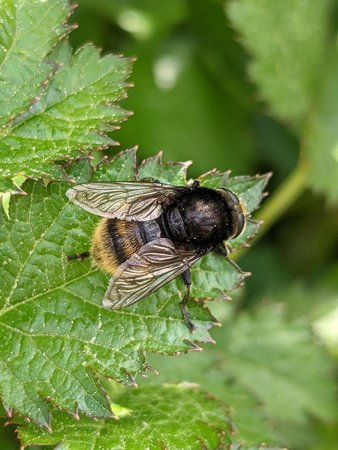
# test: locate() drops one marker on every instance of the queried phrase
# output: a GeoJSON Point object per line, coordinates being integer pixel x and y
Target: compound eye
{"type": "Point", "coordinates": [236, 211]}
{"type": "Point", "coordinates": [240, 223]}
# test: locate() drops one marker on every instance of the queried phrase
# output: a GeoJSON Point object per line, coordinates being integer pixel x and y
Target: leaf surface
{"type": "Point", "coordinates": [53, 104]}
{"type": "Point", "coordinates": [268, 368]}
{"type": "Point", "coordinates": [156, 417]}
{"type": "Point", "coordinates": [55, 333]}
{"type": "Point", "coordinates": [288, 71]}
{"type": "Point", "coordinates": [321, 142]}
{"type": "Point", "coordinates": [287, 66]}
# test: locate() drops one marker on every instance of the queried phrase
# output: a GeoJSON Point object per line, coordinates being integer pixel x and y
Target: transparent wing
{"type": "Point", "coordinates": [123, 200]}
{"type": "Point", "coordinates": [154, 265]}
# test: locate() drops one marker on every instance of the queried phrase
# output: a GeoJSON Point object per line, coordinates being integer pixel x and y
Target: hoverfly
{"type": "Point", "coordinates": [152, 232]}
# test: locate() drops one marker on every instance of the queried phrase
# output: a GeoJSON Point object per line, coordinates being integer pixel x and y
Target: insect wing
{"type": "Point", "coordinates": [154, 265]}
{"type": "Point", "coordinates": [123, 200]}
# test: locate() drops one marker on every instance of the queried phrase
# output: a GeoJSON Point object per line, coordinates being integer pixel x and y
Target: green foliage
{"type": "Point", "coordinates": [54, 104]}
{"type": "Point", "coordinates": [321, 141]}
{"type": "Point", "coordinates": [272, 365]}
{"type": "Point", "coordinates": [269, 369]}
{"type": "Point", "coordinates": [156, 417]}
{"type": "Point", "coordinates": [285, 371]}
{"type": "Point", "coordinates": [289, 44]}
{"type": "Point", "coordinates": [194, 97]}
{"type": "Point", "coordinates": [56, 335]}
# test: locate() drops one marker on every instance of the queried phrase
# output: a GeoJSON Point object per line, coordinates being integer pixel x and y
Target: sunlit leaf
{"type": "Point", "coordinates": [55, 333]}
{"type": "Point", "coordinates": [321, 141]}
{"type": "Point", "coordinates": [287, 43]}
{"type": "Point", "coordinates": [269, 369]}
{"type": "Point", "coordinates": [156, 417]}
{"type": "Point", "coordinates": [53, 105]}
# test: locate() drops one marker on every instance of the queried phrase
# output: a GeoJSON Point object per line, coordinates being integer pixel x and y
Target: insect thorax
{"type": "Point", "coordinates": [201, 216]}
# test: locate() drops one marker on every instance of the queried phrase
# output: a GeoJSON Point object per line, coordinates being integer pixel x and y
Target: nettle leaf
{"type": "Point", "coordinates": [55, 334]}
{"type": "Point", "coordinates": [173, 172]}
{"type": "Point", "coordinates": [53, 104]}
{"type": "Point", "coordinates": [156, 417]}
{"type": "Point", "coordinates": [287, 42]}
{"type": "Point", "coordinates": [250, 421]}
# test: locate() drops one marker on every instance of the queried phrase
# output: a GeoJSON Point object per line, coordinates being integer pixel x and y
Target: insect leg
{"type": "Point", "coordinates": [195, 184]}
{"type": "Point", "coordinates": [221, 249]}
{"type": "Point", "coordinates": [186, 276]}
{"type": "Point", "coordinates": [150, 180]}
{"type": "Point", "coordinates": [78, 256]}
{"type": "Point", "coordinates": [224, 250]}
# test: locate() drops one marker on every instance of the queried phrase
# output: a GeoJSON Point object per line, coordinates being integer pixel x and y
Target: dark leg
{"type": "Point", "coordinates": [221, 249]}
{"type": "Point", "coordinates": [150, 180]}
{"type": "Point", "coordinates": [195, 184]}
{"type": "Point", "coordinates": [186, 276]}
{"type": "Point", "coordinates": [78, 256]}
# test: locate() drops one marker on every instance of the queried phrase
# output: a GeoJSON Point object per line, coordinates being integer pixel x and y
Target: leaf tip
{"type": "Point", "coordinates": [193, 347]}
{"type": "Point", "coordinates": [75, 413]}
{"type": "Point", "coordinates": [131, 381]}
{"type": "Point", "coordinates": [8, 411]}
{"type": "Point", "coordinates": [151, 369]}
{"type": "Point", "coordinates": [73, 6]}
{"type": "Point", "coordinates": [225, 297]}
{"type": "Point", "coordinates": [267, 175]}
{"type": "Point", "coordinates": [71, 27]}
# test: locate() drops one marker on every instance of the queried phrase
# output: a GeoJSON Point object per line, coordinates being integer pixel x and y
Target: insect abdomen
{"type": "Point", "coordinates": [114, 241]}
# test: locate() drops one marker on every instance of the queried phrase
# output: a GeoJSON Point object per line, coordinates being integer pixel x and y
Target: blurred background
{"type": "Point", "coordinates": [274, 361]}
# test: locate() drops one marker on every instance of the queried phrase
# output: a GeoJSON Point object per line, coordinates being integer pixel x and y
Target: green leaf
{"type": "Point", "coordinates": [287, 42]}
{"type": "Point", "coordinates": [214, 179]}
{"type": "Point", "coordinates": [321, 141]}
{"type": "Point", "coordinates": [213, 277]}
{"type": "Point", "coordinates": [8, 186]}
{"type": "Point", "coordinates": [172, 172]}
{"type": "Point", "coordinates": [281, 365]}
{"type": "Point", "coordinates": [157, 417]}
{"type": "Point", "coordinates": [270, 370]}
{"type": "Point", "coordinates": [249, 421]}
{"type": "Point", "coordinates": [53, 105]}
{"type": "Point", "coordinates": [29, 31]}
{"type": "Point", "coordinates": [249, 232]}
{"type": "Point", "coordinates": [249, 190]}
{"type": "Point", "coordinates": [55, 333]}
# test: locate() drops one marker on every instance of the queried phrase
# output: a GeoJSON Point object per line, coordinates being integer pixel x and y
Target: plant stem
{"type": "Point", "coordinates": [281, 200]}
